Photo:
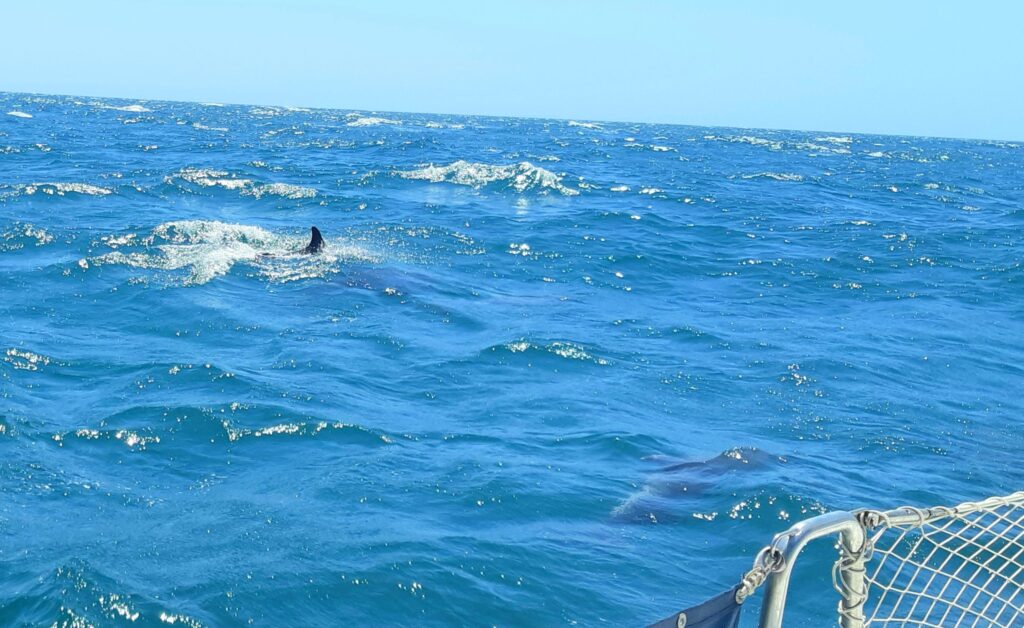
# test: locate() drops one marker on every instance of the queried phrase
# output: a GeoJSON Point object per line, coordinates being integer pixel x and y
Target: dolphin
{"type": "Point", "coordinates": [316, 245]}
{"type": "Point", "coordinates": [316, 242]}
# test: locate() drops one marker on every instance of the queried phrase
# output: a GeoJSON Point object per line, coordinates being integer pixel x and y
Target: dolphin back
{"type": "Point", "coordinates": [316, 242]}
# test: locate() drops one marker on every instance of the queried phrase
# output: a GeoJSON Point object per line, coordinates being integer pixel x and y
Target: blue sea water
{"type": "Point", "coordinates": [545, 373]}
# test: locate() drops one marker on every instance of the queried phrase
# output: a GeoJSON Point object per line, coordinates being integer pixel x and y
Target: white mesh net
{"type": "Point", "coordinates": [961, 566]}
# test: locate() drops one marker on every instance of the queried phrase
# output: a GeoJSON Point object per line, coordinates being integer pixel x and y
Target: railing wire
{"type": "Point", "coordinates": [959, 566]}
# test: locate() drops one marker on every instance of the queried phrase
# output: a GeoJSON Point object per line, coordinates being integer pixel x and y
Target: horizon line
{"type": "Point", "coordinates": [520, 117]}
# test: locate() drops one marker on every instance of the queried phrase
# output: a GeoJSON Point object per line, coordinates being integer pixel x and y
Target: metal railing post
{"type": "Point", "coordinates": [851, 577]}
{"type": "Point", "coordinates": [852, 536]}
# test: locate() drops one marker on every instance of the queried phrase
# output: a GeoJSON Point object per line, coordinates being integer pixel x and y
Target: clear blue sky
{"type": "Point", "coordinates": [922, 68]}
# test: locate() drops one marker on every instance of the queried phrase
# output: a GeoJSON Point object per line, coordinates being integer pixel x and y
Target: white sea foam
{"type": "Point", "coordinates": [285, 190]}
{"type": "Point", "coordinates": [25, 360]}
{"type": "Point", "coordinates": [520, 177]}
{"type": "Point", "coordinates": [585, 125]}
{"type": "Point", "coordinates": [288, 429]}
{"type": "Point", "coordinates": [19, 114]}
{"type": "Point", "coordinates": [62, 188]}
{"type": "Point", "coordinates": [651, 191]}
{"type": "Point", "coordinates": [835, 139]}
{"type": "Point", "coordinates": [431, 124]}
{"type": "Point", "coordinates": [114, 241]}
{"type": "Point", "coordinates": [822, 148]}
{"type": "Point", "coordinates": [778, 176]}
{"type": "Point", "coordinates": [753, 140]}
{"type": "Point", "coordinates": [568, 350]}
{"type": "Point", "coordinates": [209, 249]}
{"type": "Point", "coordinates": [619, 188]}
{"type": "Point", "coordinates": [372, 121]}
{"type": "Point", "coordinates": [16, 234]}
{"type": "Point", "coordinates": [208, 178]}
{"type": "Point", "coordinates": [129, 108]}
{"type": "Point", "coordinates": [203, 127]}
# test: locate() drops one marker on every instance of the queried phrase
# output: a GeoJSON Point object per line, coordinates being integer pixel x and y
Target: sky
{"type": "Point", "coordinates": [949, 69]}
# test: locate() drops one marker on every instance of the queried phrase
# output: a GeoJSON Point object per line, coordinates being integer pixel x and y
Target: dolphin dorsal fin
{"type": "Point", "coordinates": [316, 242]}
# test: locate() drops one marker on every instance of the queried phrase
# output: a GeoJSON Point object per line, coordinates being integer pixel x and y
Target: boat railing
{"type": "Point", "coordinates": [942, 566]}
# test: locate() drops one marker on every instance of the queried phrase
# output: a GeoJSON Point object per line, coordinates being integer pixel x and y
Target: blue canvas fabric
{"type": "Point", "coordinates": [721, 611]}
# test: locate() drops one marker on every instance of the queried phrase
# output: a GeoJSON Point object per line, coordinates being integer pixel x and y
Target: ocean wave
{"type": "Point", "coordinates": [519, 177]}
{"type": "Point", "coordinates": [306, 429]}
{"type": "Point", "coordinates": [128, 108]}
{"type": "Point", "coordinates": [561, 349]}
{"type": "Point", "coordinates": [835, 139]}
{"type": "Point", "coordinates": [284, 190]}
{"type": "Point", "coordinates": [131, 439]}
{"type": "Point", "coordinates": [75, 595]}
{"type": "Point", "coordinates": [431, 124]}
{"type": "Point", "coordinates": [585, 125]}
{"type": "Point", "coordinates": [753, 140]}
{"type": "Point", "coordinates": [61, 188]}
{"type": "Point", "coordinates": [203, 127]}
{"type": "Point", "coordinates": [19, 114]}
{"type": "Point", "coordinates": [209, 178]}
{"type": "Point", "coordinates": [821, 148]}
{"type": "Point", "coordinates": [206, 250]}
{"type": "Point", "coordinates": [360, 121]}
{"type": "Point", "coordinates": [777, 176]}
{"type": "Point", "coordinates": [15, 236]}
{"type": "Point", "coordinates": [25, 360]}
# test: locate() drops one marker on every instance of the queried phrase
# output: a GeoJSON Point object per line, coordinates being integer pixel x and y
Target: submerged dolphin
{"type": "Point", "coordinates": [316, 242]}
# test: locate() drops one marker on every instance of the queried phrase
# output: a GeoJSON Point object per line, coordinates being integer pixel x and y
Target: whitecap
{"type": "Point", "coordinates": [203, 127]}
{"type": "Point", "coordinates": [562, 349]}
{"type": "Point", "coordinates": [19, 231]}
{"type": "Point", "coordinates": [208, 177]}
{"type": "Point", "coordinates": [129, 108]}
{"type": "Point", "coordinates": [285, 190]}
{"type": "Point", "coordinates": [821, 148]}
{"type": "Point", "coordinates": [585, 125]}
{"type": "Point", "coordinates": [61, 188]}
{"type": "Point", "coordinates": [753, 140]}
{"type": "Point", "coordinates": [372, 121]}
{"type": "Point", "coordinates": [520, 177]}
{"type": "Point", "coordinates": [207, 249]}
{"type": "Point", "coordinates": [835, 139]}
{"type": "Point", "coordinates": [25, 360]}
{"type": "Point", "coordinates": [19, 114]}
{"type": "Point", "coordinates": [431, 124]}
{"type": "Point", "coordinates": [778, 176]}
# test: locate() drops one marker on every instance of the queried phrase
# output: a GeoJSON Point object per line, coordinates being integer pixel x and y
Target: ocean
{"type": "Point", "coordinates": [544, 373]}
